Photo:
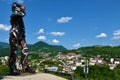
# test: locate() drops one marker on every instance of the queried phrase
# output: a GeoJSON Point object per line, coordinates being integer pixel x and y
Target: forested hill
{"type": "Point", "coordinates": [44, 46]}
{"type": "Point", "coordinates": [4, 45]}
{"type": "Point", "coordinates": [105, 51]}
{"type": "Point", "coordinates": [37, 47]}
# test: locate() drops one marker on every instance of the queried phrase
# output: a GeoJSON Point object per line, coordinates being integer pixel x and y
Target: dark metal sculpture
{"type": "Point", "coordinates": [17, 37]}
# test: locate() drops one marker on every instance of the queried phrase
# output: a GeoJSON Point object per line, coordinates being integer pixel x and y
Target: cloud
{"type": "Point", "coordinates": [41, 38]}
{"type": "Point", "coordinates": [76, 45]}
{"type": "Point", "coordinates": [64, 19]}
{"type": "Point", "coordinates": [4, 27]}
{"type": "Point", "coordinates": [41, 31]}
{"type": "Point", "coordinates": [102, 35]}
{"type": "Point", "coordinates": [116, 35]}
{"type": "Point", "coordinates": [57, 33]}
{"type": "Point", "coordinates": [55, 41]}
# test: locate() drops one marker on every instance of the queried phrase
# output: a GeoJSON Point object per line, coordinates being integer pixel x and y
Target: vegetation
{"type": "Point", "coordinates": [4, 69]}
{"type": "Point", "coordinates": [42, 47]}
{"type": "Point", "coordinates": [4, 52]}
{"type": "Point", "coordinates": [4, 45]}
{"type": "Point", "coordinates": [39, 47]}
{"type": "Point", "coordinates": [98, 72]}
{"type": "Point", "coordinates": [103, 51]}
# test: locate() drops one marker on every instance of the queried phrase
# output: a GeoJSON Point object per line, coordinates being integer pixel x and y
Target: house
{"type": "Point", "coordinates": [112, 66]}
{"type": "Point", "coordinates": [78, 64]}
{"type": "Point", "coordinates": [82, 62]}
{"type": "Point", "coordinates": [71, 55]}
{"type": "Point", "coordinates": [3, 60]}
{"type": "Point", "coordinates": [92, 61]}
{"type": "Point", "coordinates": [112, 60]}
{"type": "Point", "coordinates": [6, 58]}
{"type": "Point", "coordinates": [99, 61]}
{"type": "Point", "coordinates": [73, 67]}
{"type": "Point", "coordinates": [116, 62]}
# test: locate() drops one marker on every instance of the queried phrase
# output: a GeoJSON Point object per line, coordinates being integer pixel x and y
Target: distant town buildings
{"type": "Point", "coordinates": [67, 63]}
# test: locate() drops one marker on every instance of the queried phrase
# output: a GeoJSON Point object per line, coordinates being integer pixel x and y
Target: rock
{"type": "Point", "coordinates": [40, 76]}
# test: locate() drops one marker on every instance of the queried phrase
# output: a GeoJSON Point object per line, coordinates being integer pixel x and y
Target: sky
{"type": "Point", "coordinates": [71, 23]}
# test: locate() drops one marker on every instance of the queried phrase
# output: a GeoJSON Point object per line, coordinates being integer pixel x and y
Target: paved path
{"type": "Point", "coordinates": [40, 76]}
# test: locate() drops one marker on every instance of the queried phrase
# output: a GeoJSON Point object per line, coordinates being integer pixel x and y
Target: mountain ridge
{"type": "Point", "coordinates": [37, 47]}
{"type": "Point", "coordinates": [4, 45]}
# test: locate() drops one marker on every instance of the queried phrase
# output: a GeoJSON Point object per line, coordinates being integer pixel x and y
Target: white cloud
{"type": "Point", "coordinates": [57, 33]}
{"type": "Point", "coordinates": [41, 31]}
{"type": "Point", "coordinates": [102, 35]}
{"type": "Point", "coordinates": [41, 38]}
{"type": "Point", "coordinates": [64, 19]}
{"type": "Point", "coordinates": [55, 41]}
{"type": "Point", "coordinates": [76, 45]}
{"type": "Point", "coordinates": [4, 27]}
{"type": "Point", "coordinates": [116, 38]}
{"type": "Point", "coordinates": [116, 35]}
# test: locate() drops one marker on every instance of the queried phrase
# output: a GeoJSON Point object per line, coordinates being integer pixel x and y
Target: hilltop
{"type": "Point", "coordinates": [42, 45]}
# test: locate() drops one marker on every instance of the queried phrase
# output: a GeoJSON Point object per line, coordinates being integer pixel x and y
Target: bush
{"type": "Point", "coordinates": [4, 70]}
{"type": "Point", "coordinates": [98, 72]}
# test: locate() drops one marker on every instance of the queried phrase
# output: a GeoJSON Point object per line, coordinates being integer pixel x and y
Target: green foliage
{"type": "Point", "coordinates": [104, 51]}
{"type": "Point", "coordinates": [98, 72]}
{"type": "Point", "coordinates": [4, 45]}
{"type": "Point", "coordinates": [37, 48]}
{"type": "Point", "coordinates": [4, 52]}
{"type": "Point", "coordinates": [117, 72]}
{"type": "Point", "coordinates": [44, 47]}
{"type": "Point", "coordinates": [33, 55]}
{"type": "Point", "coordinates": [79, 73]}
{"type": "Point", "coordinates": [4, 69]}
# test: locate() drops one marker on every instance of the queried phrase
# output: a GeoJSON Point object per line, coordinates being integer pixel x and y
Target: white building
{"type": "Point", "coordinates": [112, 60]}
{"type": "Point", "coordinates": [78, 64]}
{"type": "Point", "coordinates": [116, 62]}
{"type": "Point", "coordinates": [73, 67]}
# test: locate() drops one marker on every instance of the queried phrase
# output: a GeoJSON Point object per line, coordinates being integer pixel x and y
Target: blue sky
{"type": "Point", "coordinates": [71, 23]}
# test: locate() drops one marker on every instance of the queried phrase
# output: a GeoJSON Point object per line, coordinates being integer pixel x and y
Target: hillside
{"type": "Point", "coordinates": [42, 46]}
{"type": "Point", "coordinates": [4, 52]}
{"type": "Point", "coordinates": [105, 51]}
{"type": "Point", "coordinates": [37, 47]}
{"type": "Point", "coordinates": [4, 45]}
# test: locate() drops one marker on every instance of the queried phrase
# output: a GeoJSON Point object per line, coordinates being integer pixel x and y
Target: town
{"type": "Point", "coordinates": [65, 63]}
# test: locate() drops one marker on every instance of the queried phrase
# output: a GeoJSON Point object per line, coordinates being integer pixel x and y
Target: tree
{"type": "Point", "coordinates": [97, 72]}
